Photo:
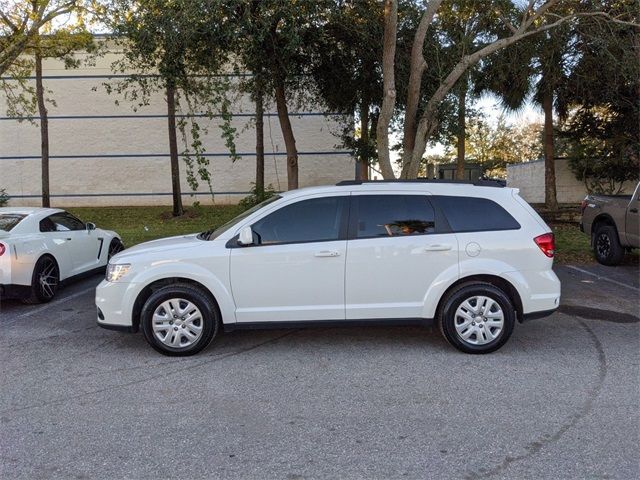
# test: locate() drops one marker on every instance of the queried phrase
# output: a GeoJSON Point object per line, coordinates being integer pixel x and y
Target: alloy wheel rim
{"type": "Point", "coordinates": [479, 320]}
{"type": "Point", "coordinates": [177, 323]}
{"type": "Point", "coordinates": [603, 245]}
{"type": "Point", "coordinates": [48, 279]}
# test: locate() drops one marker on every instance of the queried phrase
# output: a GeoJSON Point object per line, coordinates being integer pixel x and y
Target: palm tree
{"type": "Point", "coordinates": [533, 70]}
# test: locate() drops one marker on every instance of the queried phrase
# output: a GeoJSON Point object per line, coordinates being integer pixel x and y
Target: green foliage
{"type": "Point", "coordinates": [256, 197]}
{"type": "Point", "coordinates": [185, 42]}
{"type": "Point", "coordinates": [61, 43]}
{"type": "Point", "coordinates": [142, 224]}
{"type": "Point", "coordinates": [494, 146]}
{"type": "Point", "coordinates": [4, 198]}
{"type": "Point", "coordinates": [602, 128]}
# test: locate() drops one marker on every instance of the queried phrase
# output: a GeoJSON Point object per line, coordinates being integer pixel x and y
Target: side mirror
{"type": "Point", "coordinates": [246, 236]}
{"type": "Point", "coordinates": [90, 226]}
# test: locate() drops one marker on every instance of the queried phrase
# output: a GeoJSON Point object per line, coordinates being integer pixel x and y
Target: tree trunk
{"type": "Point", "coordinates": [259, 139]}
{"type": "Point", "coordinates": [416, 69]}
{"type": "Point", "coordinates": [389, 87]}
{"type": "Point", "coordinates": [362, 172]}
{"type": "Point", "coordinates": [550, 198]}
{"type": "Point", "coordinates": [44, 130]}
{"type": "Point", "coordinates": [173, 150]}
{"type": "Point", "coordinates": [287, 133]}
{"type": "Point", "coordinates": [462, 127]}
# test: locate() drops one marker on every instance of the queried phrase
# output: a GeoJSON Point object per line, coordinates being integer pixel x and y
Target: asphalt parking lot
{"type": "Point", "coordinates": [560, 400]}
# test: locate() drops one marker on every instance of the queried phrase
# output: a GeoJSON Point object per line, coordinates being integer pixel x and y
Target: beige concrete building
{"type": "Point", "coordinates": [108, 154]}
{"type": "Point", "coordinates": [529, 178]}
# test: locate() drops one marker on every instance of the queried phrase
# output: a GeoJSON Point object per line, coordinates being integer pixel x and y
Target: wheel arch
{"type": "Point", "coordinates": [148, 290]}
{"type": "Point", "coordinates": [507, 287]}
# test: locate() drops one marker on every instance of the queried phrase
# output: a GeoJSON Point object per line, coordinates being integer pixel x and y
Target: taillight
{"type": "Point", "coordinates": [583, 205]}
{"type": "Point", "coordinates": [2, 249]}
{"type": "Point", "coordinates": [547, 244]}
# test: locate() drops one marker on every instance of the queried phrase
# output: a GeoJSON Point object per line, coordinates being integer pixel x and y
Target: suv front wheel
{"type": "Point", "coordinates": [179, 320]}
{"type": "Point", "coordinates": [477, 318]}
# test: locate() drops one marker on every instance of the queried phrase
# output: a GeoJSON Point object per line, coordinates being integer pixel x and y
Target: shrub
{"type": "Point", "coordinates": [4, 198]}
{"type": "Point", "coordinates": [256, 197]}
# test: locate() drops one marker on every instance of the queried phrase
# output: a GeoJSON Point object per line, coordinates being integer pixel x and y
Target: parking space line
{"type": "Point", "coordinates": [606, 279]}
{"type": "Point", "coordinates": [47, 306]}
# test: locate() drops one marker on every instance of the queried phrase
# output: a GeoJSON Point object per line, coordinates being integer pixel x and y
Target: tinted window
{"type": "Point", "coordinates": [394, 215]}
{"type": "Point", "coordinates": [471, 214]}
{"type": "Point", "coordinates": [61, 222]}
{"type": "Point", "coordinates": [9, 220]}
{"type": "Point", "coordinates": [313, 220]}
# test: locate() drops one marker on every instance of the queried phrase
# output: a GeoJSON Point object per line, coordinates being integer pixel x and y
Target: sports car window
{"type": "Point", "coordinates": [394, 216]}
{"type": "Point", "coordinates": [9, 220]}
{"type": "Point", "coordinates": [63, 222]}
{"type": "Point", "coordinates": [315, 220]}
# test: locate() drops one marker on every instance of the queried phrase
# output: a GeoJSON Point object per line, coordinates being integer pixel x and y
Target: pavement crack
{"type": "Point", "coordinates": [547, 439]}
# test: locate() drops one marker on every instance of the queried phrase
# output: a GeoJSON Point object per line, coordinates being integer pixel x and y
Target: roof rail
{"type": "Point", "coordinates": [477, 183]}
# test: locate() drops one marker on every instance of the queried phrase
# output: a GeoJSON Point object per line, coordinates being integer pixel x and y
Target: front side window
{"type": "Point", "coordinates": [393, 216]}
{"type": "Point", "coordinates": [473, 214]}
{"type": "Point", "coordinates": [314, 220]}
{"type": "Point", "coordinates": [61, 222]}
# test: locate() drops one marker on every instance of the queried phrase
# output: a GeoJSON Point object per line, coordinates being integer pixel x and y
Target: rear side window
{"type": "Point", "coordinates": [473, 214]}
{"type": "Point", "coordinates": [10, 220]}
{"type": "Point", "coordinates": [61, 222]}
{"type": "Point", "coordinates": [393, 216]}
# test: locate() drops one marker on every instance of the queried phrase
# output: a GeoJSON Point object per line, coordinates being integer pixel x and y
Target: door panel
{"type": "Point", "coordinates": [389, 277]}
{"type": "Point", "coordinates": [279, 283]}
{"type": "Point", "coordinates": [396, 250]}
{"type": "Point", "coordinates": [295, 269]}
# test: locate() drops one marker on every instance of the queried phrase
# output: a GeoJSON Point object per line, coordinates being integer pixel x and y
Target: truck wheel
{"type": "Point", "coordinates": [179, 320]}
{"type": "Point", "coordinates": [477, 318]}
{"type": "Point", "coordinates": [606, 246]}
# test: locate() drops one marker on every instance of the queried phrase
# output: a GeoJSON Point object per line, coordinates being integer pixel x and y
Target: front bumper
{"type": "Point", "coordinates": [115, 305]}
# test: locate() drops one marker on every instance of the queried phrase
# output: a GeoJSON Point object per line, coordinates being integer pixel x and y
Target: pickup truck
{"type": "Point", "coordinates": [612, 223]}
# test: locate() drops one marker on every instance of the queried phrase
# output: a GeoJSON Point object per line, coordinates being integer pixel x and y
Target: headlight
{"type": "Point", "coordinates": [116, 271]}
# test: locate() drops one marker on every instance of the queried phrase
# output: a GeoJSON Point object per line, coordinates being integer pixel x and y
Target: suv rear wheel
{"type": "Point", "coordinates": [179, 320]}
{"type": "Point", "coordinates": [606, 245]}
{"type": "Point", "coordinates": [477, 318]}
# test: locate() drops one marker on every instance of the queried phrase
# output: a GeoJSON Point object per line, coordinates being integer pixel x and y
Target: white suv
{"type": "Point", "coordinates": [475, 257]}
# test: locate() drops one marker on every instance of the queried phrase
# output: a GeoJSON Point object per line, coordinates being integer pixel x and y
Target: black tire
{"type": "Point", "coordinates": [115, 246]}
{"type": "Point", "coordinates": [209, 314]}
{"type": "Point", "coordinates": [606, 246]}
{"type": "Point", "coordinates": [455, 298]}
{"type": "Point", "coordinates": [45, 280]}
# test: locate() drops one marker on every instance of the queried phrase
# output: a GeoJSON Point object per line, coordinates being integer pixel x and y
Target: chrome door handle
{"type": "Point", "coordinates": [327, 253]}
{"type": "Point", "coordinates": [437, 247]}
{"type": "Point", "coordinates": [68, 239]}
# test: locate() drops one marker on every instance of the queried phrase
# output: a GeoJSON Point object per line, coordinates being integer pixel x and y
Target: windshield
{"type": "Point", "coordinates": [9, 220]}
{"type": "Point", "coordinates": [211, 234]}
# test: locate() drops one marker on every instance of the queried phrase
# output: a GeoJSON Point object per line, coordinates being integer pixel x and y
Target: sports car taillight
{"type": "Point", "coordinates": [2, 249]}
{"type": "Point", "coordinates": [547, 244]}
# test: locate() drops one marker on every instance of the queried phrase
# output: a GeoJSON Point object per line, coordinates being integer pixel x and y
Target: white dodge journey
{"type": "Point", "coordinates": [473, 257]}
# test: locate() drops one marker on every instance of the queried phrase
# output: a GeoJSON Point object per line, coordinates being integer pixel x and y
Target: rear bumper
{"type": "Point", "coordinates": [14, 291]}
{"type": "Point", "coordinates": [536, 315]}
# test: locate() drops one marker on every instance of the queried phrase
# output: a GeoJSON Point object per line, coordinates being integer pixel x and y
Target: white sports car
{"type": "Point", "coordinates": [41, 247]}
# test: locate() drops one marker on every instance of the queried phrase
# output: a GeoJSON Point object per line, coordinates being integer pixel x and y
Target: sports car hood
{"type": "Point", "coordinates": [161, 245]}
